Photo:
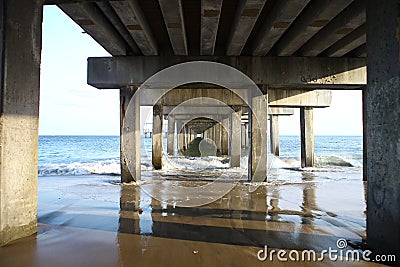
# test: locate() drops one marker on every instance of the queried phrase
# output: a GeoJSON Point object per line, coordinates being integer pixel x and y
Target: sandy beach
{"type": "Point", "coordinates": [96, 221]}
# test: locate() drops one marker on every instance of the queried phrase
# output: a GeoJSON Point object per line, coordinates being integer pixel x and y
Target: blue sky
{"type": "Point", "coordinates": [68, 106]}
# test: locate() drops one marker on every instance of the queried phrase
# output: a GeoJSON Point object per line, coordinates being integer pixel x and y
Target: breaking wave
{"type": "Point", "coordinates": [104, 167]}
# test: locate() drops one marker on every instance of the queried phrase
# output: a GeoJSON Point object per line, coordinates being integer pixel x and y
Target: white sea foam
{"type": "Point", "coordinates": [176, 163]}
{"type": "Point", "coordinates": [78, 168]}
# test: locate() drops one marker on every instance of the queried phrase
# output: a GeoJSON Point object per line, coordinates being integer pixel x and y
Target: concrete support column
{"type": "Point", "coordinates": [187, 136]}
{"type": "Point", "coordinates": [382, 104]}
{"type": "Point", "coordinates": [307, 136]}
{"type": "Point", "coordinates": [225, 136]}
{"type": "Point", "coordinates": [20, 48]}
{"type": "Point", "coordinates": [218, 137]}
{"type": "Point", "coordinates": [258, 154]}
{"type": "Point", "coordinates": [274, 134]}
{"type": "Point", "coordinates": [130, 134]}
{"type": "Point", "coordinates": [243, 133]}
{"type": "Point", "coordinates": [235, 136]}
{"type": "Point", "coordinates": [179, 130]}
{"type": "Point", "coordinates": [246, 135]}
{"type": "Point", "coordinates": [171, 135]}
{"type": "Point", "coordinates": [157, 136]}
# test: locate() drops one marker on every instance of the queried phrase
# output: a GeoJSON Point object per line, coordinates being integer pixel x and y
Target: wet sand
{"type": "Point", "coordinates": [96, 221]}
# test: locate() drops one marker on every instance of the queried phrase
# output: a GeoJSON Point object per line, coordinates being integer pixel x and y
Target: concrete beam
{"type": "Point", "coordinates": [246, 16]}
{"type": "Point", "coordinates": [314, 17]}
{"type": "Point", "coordinates": [175, 24]}
{"type": "Point", "coordinates": [112, 16]}
{"type": "Point", "coordinates": [20, 48]}
{"type": "Point", "coordinates": [348, 43]}
{"type": "Point", "coordinates": [348, 20]}
{"type": "Point", "coordinates": [279, 19]}
{"type": "Point", "coordinates": [382, 104]}
{"type": "Point", "coordinates": [360, 51]}
{"type": "Point", "coordinates": [210, 14]}
{"type": "Point", "coordinates": [200, 110]}
{"type": "Point", "coordinates": [285, 72]}
{"type": "Point", "coordinates": [307, 137]}
{"type": "Point", "coordinates": [278, 98]}
{"type": "Point", "coordinates": [92, 20]}
{"type": "Point", "coordinates": [135, 21]}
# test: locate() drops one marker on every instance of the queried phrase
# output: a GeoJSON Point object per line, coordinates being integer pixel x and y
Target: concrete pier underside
{"type": "Point", "coordinates": [316, 68]}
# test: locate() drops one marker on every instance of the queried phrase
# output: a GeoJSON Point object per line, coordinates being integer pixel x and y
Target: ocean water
{"type": "Point", "coordinates": [86, 155]}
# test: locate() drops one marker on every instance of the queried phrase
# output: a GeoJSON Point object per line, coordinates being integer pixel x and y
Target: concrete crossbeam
{"type": "Point", "coordinates": [278, 98]}
{"type": "Point", "coordinates": [285, 72]}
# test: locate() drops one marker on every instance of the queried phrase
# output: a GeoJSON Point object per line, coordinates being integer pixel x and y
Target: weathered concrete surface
{"type": "Point", "coordinates": [307, 136]}
{"type": "Point", "coordinates": [210, 14]}
{"type": "Point", "coordinates": [235, 135]}
{"type": "Point", "coordinates": [299, 98]}
{"type": "Point", "coordinates": [286, 72]}
{"type": "Point", "coordinates": [130, 134]}
{"type": "Point", "coordinates": [246, 16]}
{"type": "Point", "coordinates": [173, 18]}
{"type": "Point", "coordinates": [157, 137]}
{"type": "Point", "coordinates": [19, 116]}
{"type": "Point", "coordinates": [258, 139]}
{"type": "Point", "coordinates": [278, 97]}
{"type": "Point", "coordinates": [382, 103]}
{"type": "Point", "coordinates": [171, 135]}
{"type": "Point", "coordinates": [274, 134]}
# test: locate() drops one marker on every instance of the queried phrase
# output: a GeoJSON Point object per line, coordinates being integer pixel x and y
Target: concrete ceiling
{"type": "Point", "coordinates": [322, 28]}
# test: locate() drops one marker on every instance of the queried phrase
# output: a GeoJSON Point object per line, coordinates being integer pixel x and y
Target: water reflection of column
{"type": "Point", "coordinates": [309, 199]}
{"type": "Point", "coordinates": [129, 205]}
{"type": "Point", "coordinates": [274, 203]}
